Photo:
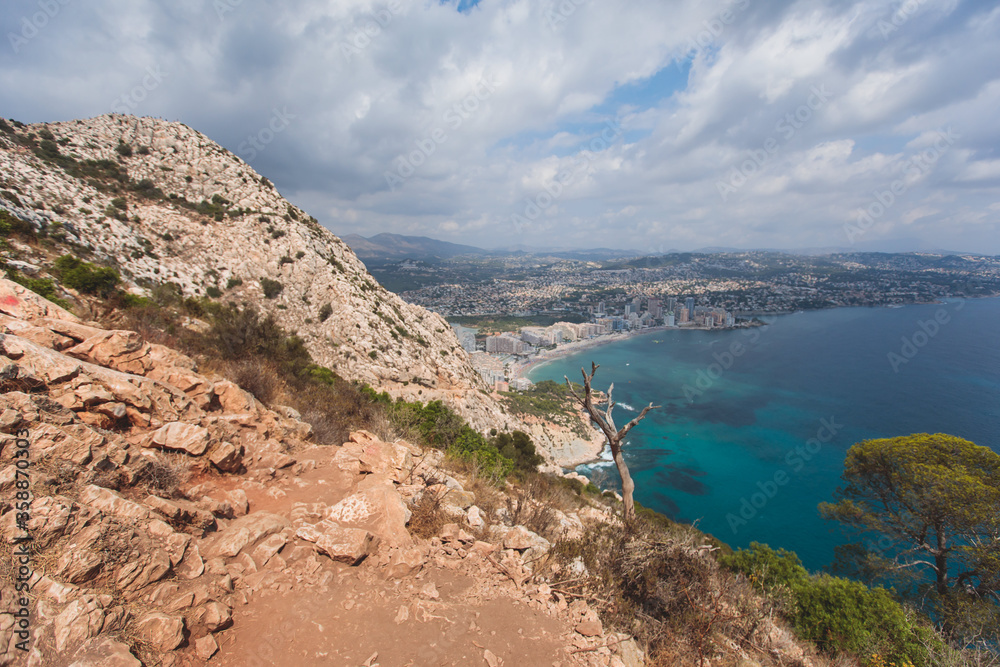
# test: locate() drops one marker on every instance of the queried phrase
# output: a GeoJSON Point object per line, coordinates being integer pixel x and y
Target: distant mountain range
{"type": "Point", "coordinates": [396, 247]}
{"type": "Point", "coordinates": [386, 248]}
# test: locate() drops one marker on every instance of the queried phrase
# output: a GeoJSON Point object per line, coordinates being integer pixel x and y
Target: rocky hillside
{"type": "Point", "coordinates": [164, 203]}
{"type": "Point", "coordinates": [175, 520]}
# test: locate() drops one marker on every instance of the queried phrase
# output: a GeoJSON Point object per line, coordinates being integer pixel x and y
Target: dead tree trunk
{"type": "Point", "coordinates": [614, 436]}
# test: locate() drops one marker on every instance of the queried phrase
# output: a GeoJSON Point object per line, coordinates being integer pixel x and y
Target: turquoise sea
{"type": "Point", "coordinates": [755, 423]}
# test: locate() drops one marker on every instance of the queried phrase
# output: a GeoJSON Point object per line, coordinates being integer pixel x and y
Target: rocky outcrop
{"type": "Point", "coordinates": [244, 231]}
{"type": "Point", "coordinates": [162, 498]}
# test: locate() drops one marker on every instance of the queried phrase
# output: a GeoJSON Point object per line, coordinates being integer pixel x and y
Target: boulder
{"type": "Point", "coordinates": [269, 548]}
{"type": "Point", "coordinates": [78, 622]}
{"type": "Point", "coordinates": [227, 457]}
{"type": "Point", "coordinates": [367, 454]}
{"type": "Point", "coordinates": [238, 499]}
{"type": "Point", "coordinates": [520, 538]}
{"type": "Point", "coordinates": [475, 518]}
{"type": "Point", "coordinates": [206, 647]}
{"type": "Point", "coordinates": [404, 562]}
{"type": "Point", "coordinates": [148, 569]}
{"type": "Point", "coordinates": [104, 652]}
{"type": "Point", "coordinates": [344, 545]}
{"type": "Point", "coordinates": [178, 436]}
{"type": "Point", "coordinates": [245, 531]}
{"type": "Point", "coordinates": [379, 510]}
{"type": "Point", "coordinates": [212, 616]}
{"type": "Point", "coordinates": [123, 351]}
{"type": "Point", "coordinates": [112, 504]}
{"type": "Point", "coordinates": [161, 631]}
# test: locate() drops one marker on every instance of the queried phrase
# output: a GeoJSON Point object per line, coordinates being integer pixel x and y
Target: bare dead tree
{"type": "Point", "coordinates": [614, 436]}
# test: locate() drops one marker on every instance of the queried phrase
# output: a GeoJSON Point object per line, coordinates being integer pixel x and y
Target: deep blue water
{"type": "Point", "coordinates": [728, 426]}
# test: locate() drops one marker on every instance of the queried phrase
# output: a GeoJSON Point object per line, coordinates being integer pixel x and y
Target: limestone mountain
{"type": "Point", "coordinates": [165, 204]}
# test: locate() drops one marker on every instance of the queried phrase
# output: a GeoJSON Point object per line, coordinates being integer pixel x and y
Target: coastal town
{"type": "Point", "coordinates": [512, 312]}
{"type": "Point", "coordinates": [502, 358]}
{"type": "Point", "coordinates": [743, 283]}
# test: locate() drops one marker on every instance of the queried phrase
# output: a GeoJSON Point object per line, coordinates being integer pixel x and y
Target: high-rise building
{"type": "Point", "coordinates": [671, 304]}
{"type": "Point", "coordinates": [689, 307]}
{"type": "Point", "coordinates": [669, 320]}
{"type": "Point", "coordinates": [655, 308]}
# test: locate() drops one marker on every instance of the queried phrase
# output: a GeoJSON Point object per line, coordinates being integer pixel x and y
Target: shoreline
{"type": "Point", "coordinates": [521, 369]}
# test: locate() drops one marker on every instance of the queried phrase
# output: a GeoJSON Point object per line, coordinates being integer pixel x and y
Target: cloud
{"type": "Point", "coordinates": [509, 99]}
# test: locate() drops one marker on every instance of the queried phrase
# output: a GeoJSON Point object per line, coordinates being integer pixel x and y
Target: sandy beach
{"type": "Point", "coordinates": [521, 369]}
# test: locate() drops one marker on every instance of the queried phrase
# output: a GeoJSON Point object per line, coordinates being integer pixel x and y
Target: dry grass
{"type": "Point", "coordinates": [163, 475]}
{"type": "Point", "coordinates": [662, 585]}
{"type": "Point", "coordinates": [427, 517]}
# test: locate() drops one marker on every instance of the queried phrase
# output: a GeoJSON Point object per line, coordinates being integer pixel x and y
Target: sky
{"type": "Point", "coordinates": [649, 124]}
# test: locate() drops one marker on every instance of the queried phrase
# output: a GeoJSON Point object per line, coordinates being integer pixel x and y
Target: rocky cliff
{"type": "Point", "coordinates": [164, 204]}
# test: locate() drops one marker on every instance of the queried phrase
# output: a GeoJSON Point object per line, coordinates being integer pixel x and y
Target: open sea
{"type": "Point", "coordinates": [755, 422]}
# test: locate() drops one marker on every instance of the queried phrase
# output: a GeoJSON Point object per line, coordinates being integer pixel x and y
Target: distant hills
{"type": "Point", "coordinates": [388, 248]}
{"type": "Point", "coordinates": [396, 247]}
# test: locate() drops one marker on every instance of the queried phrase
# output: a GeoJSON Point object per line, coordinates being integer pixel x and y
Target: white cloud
{"type": "Point", "coordinates": [362, 100]}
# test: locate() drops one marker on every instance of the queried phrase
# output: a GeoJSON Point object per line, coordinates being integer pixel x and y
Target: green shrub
{"type": "Point", "coordinates": [146, 188]}
{"type": "Point", "coordinates": [213, 291]}
{"type": "Point", "coordinates": [10, 224]}
{"type": "Point", "coordinates": [124, 149]}
{"type": "Point", "coordinates": [285, 260]}
{"type": "Point", "coordinates": [839, 615]}
{"type": "Point", "coordinates": [233, 282]}
{"type": "Point", "coordinates": [325, 312]}
{"type": "Point", "coordinates": [519, 448]}
{"type": "Point", "coordinates": [474, 449]}
{"type": "Point", "coordinates": [142, 150]}
{"type": "Point", "coordinates": [272, 288]}
{"type": "Point", "coordinates": [86, 277]}
{"type": "Point", "coordinates": [300, 254]}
